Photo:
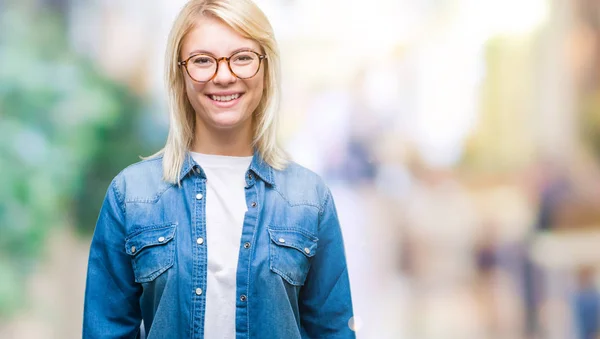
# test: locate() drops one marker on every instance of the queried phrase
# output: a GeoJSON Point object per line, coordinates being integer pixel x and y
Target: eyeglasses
{"type": "Point", "coordinates": [203, 67]}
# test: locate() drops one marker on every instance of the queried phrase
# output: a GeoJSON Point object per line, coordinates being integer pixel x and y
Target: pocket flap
{"type": "Point", "coordinates": [149, 237]}
{"type": "Point", "coordinates": [295, 238]}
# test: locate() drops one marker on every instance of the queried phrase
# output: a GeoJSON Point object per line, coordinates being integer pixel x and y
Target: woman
{"type": "Point", "coordinates": [218, 235]}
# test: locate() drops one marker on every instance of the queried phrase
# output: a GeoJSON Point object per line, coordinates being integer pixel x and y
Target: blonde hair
{"type": "Point", "coordinates": [248, 20]}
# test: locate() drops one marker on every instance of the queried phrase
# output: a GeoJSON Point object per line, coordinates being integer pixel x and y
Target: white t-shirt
{"type": "Point", "coordinates": [225, 210]}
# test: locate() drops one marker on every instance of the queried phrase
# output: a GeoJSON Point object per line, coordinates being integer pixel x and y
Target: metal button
{"type": "Point", "coordinates": [250, 176]}
{"type": "Point", "coordinates": [199, 196]}
{"type": "Point", "coordinates": [243, 297]}
{"type": "Point", "coordinates": [198, 291]}
{"type": "Point", "coordinates": [132, 249]}
{"type": "Point", "coordinates": [253, 204]}
{"type": "Point", "coordinates": [161, 239]}
{"type": "Point", "coordinates": [281, 240]}
{"type": "Point", "coordinates": [200, 241]}
{"type": "Point", "coordinates": [247, 245]}
{"type": "Point", "coordinates": [307, 250]}
{"type": "Point", "coordinates": [198, 170]}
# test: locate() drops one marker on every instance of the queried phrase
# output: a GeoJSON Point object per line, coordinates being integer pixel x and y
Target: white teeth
{"type": "Point", "coordinates": [225, 97]}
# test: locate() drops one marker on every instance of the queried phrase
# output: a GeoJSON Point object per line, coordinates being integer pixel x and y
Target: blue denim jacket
{"type": "Point", "coordinates": [148, 257]}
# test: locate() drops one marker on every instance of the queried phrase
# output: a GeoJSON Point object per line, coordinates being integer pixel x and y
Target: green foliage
{"type": "Point", "coordinates": [65, 131]}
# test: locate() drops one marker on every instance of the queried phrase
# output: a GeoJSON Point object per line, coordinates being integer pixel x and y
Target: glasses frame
{"type": "Point", "coordinates": [185, 64]}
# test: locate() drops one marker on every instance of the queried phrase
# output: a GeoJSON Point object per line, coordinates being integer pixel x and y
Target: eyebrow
{"type": "Point", "coordinates": [201, 51]}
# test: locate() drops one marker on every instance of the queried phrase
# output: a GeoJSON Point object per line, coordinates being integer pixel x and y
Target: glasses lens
{"type": "Point", "coordinates": [202, 67]}
{"type": "Point", "coordinates": [244, 64]}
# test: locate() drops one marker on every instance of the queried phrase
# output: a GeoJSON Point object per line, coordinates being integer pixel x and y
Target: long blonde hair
{"type": "Point", "coordinates": [248, 20]}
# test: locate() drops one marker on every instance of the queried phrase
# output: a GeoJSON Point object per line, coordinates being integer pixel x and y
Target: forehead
{"type": "Point", "coordinates": [212, 35]}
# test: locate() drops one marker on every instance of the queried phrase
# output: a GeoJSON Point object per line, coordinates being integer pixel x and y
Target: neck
{"type": "Point", "coordinates": [234, 142]}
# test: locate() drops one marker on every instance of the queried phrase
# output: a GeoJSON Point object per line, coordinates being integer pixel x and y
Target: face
{"type": "Point", "coordinates": [226, 102]}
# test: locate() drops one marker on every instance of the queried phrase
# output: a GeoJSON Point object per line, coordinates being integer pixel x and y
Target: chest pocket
{"type": "Point", "coordinates": [290, 252]}
{"type": "Point", "coordinates": [152, 251]}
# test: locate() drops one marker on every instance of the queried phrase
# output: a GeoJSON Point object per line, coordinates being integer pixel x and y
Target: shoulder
{"type": "Point", "coordinates": [141, 181]}
{"type": "Point", "coordinates": [300, 186]}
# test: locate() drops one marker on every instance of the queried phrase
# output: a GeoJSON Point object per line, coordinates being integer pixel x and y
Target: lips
{"type": "Point", "coordinates": [224, 97]}
{"type": "Point", "coordinates": [225, 100]}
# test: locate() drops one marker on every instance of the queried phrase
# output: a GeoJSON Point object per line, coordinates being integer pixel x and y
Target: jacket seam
{"type": "Point", "coordinates": [250, 257]}
{"type": "Point", "coordinates": [322, 209]}
{"type": "Point", "coordinates": [300, 230]}
{"type": "Point", "coordinates": [141, 229]}
{"type": "Point", "coordinates": [157, 195]}
{"type": "Point", "coordinates": [120, 198]}
{"type": "Point", "coordinates": [152, 200]}
{"type": "Point", "coordinates": [300, 203]}
{"type": "Point", "coordinates": [336, 282]}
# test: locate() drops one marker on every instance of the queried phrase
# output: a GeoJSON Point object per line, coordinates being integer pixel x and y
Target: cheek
{"type": "Point", "coordinates": [193, 88]}
{"type": "Point", "coordinates": [258, 89]}
{"type": "Point", "coordinates": [193, 91]}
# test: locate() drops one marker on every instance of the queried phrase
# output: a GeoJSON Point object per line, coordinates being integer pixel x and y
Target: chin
{"type": "Point", "coordinates": [227, 121]}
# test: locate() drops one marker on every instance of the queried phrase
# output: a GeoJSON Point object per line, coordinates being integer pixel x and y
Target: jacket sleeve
{"type": "Point", "coordinates": [325, 300]}
{"type": "Point", "coordinates": [112, 308]}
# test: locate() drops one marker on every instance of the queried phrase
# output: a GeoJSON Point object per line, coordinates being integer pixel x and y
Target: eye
{"type": "Point", "coordinates": [244, 58]}
{"type": "Point", "coordinates": [202, 60]}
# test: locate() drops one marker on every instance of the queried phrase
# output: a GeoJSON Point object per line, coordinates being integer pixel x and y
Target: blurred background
{"type": "Point", "coordinates": [461, 140]}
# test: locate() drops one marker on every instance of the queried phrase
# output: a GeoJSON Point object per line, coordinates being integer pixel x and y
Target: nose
{"type": "Point", "coordinates": [224, 75]}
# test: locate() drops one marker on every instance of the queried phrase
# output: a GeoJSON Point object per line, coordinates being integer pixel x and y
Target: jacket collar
{"type": "Point", "coordinates": [258, 166]}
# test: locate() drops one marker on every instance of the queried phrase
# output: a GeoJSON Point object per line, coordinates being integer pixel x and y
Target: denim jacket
{"type": "Point", "coordinates": [148, 257]}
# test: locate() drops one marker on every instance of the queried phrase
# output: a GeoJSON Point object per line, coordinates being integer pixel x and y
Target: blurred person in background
{"type": "Point", "coordinates": [586, 304]}
{"type": "Point", "coordinates": [219, 235]}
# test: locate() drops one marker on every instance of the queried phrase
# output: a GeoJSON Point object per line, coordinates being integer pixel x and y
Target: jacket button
{"type": "Point", "coordinates": [199, 196]}
{"type": "Point", "coordinates": [247, 245]}
{"type": "Point", "coordinates": [132, 249]}
{"type": "Point", "coordinates": [307, 250]}
{"type": "Point", "coordinates": [281, 240]}
{"type": "Point", "coordinates": [198, 291]}
{"type": "Point", "coordinates": [200, 241]}
{"type": "Point", "coordinates": [243, 298]}
{"type": "Point", "coordinates": [161, 239]}
{"type": "Point", "coordinates": [253, 204]}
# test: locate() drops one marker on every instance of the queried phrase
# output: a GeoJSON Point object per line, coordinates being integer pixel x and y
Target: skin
{"type": "Point", "coordinates": [222, 129]}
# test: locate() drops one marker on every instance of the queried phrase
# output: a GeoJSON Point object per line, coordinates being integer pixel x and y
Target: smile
{"type": "Point", "coordinates": [225, 98]}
